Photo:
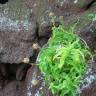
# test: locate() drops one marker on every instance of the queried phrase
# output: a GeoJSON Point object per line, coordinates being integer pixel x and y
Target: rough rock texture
{"type": "Point", "coordinates": [48, 11]}
{"type": "Point", "coordinates": [35, 83]}
{"type": "Point", "coordinates": [14, 88]}
{"type": "Point", "coordinates": [17, 32]}
{"type": "Point", "coordinates": [90, 91]}
{"type": "Point", "coordinates": [89, 34]}
{"type": "Point", "coordinates": [23, 22]}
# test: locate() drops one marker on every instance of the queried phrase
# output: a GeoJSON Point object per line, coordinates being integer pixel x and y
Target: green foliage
{"type": "Point", "coordinates": [63, 61]}
{"type": "Point", "coordinates": [92, 16]}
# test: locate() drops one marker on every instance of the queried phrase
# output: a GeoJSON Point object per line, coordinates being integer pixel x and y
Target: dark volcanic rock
{"type": "Point", "coordinates": [47, 10]}
{"type": "Point", "coordinates": [90, 90]}
{"type": "Point", "coordinates": [35, 83]}
{"type": "Point", "coordinates": [14, 88]}
{"type": "Point", "coordinates": [19, 20]}
{"type": "Point", "coordinates": [88, 33]}
{"type": "Point", "coordinates": [17, 32]}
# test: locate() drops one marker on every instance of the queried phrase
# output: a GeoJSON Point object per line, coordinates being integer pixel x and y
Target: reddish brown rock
{"type": "Point", "coordinates": [88, 33]}
{"type": "Point", "coordinates": [17, 32]}
{"type": "Point", "coordinates": [47, 10]}
{"type": "Point", "coordinates": [19, 20]}
{"type": "Point", "coordinates": [89, 91]}
{"type": "Point", "coordinates": [35, 83]}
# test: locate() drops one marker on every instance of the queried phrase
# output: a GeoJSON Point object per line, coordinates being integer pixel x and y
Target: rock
{"type": "Point", "coordinates": [42, 41]}
{"type": "Point", "coordinates": [61, 7]}
{"type": "Point", "coordinates": [14, 88]}
{"type": "Point", "coordinates": [88, 33]}
{"type": "Point", "coordinates": [13, 71]}
{"type": "Point", "coordinates": [88, 87]}
{"type": "Point", "coordinates": [47, 10]}
{"type": "Point", "coordinates": [21, 21]}
{"type": "Point", "coordinates": [35, 83]}
{"type": "Point", "coordinates": [3, 1]}
{"type": "Point", "coordinates": [21, 71]}
{"type": "Point", "coordinates": [89, 91]}
{"type": "Point", "coordinates": [17, 32]}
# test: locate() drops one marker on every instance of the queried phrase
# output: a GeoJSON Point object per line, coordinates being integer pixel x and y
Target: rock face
{"type": "Point", "coordinates": [89, 35]}
{"type": "Point", "coordinates": [17, 35]}
{"type": "Point", "coordinates": [47, 10]}
{"type": "Point", "coordinates": [17, 32]}
{"type": "Point", "coordinates": [35, 83]}
{"type": "Point", "coordinates": [23, 22]}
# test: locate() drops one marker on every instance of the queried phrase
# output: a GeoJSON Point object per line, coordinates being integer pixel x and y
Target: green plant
{"type": "Point", "coordinates": [92, 16]}
{"type": "Point", "coordinates": [64, 61]}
